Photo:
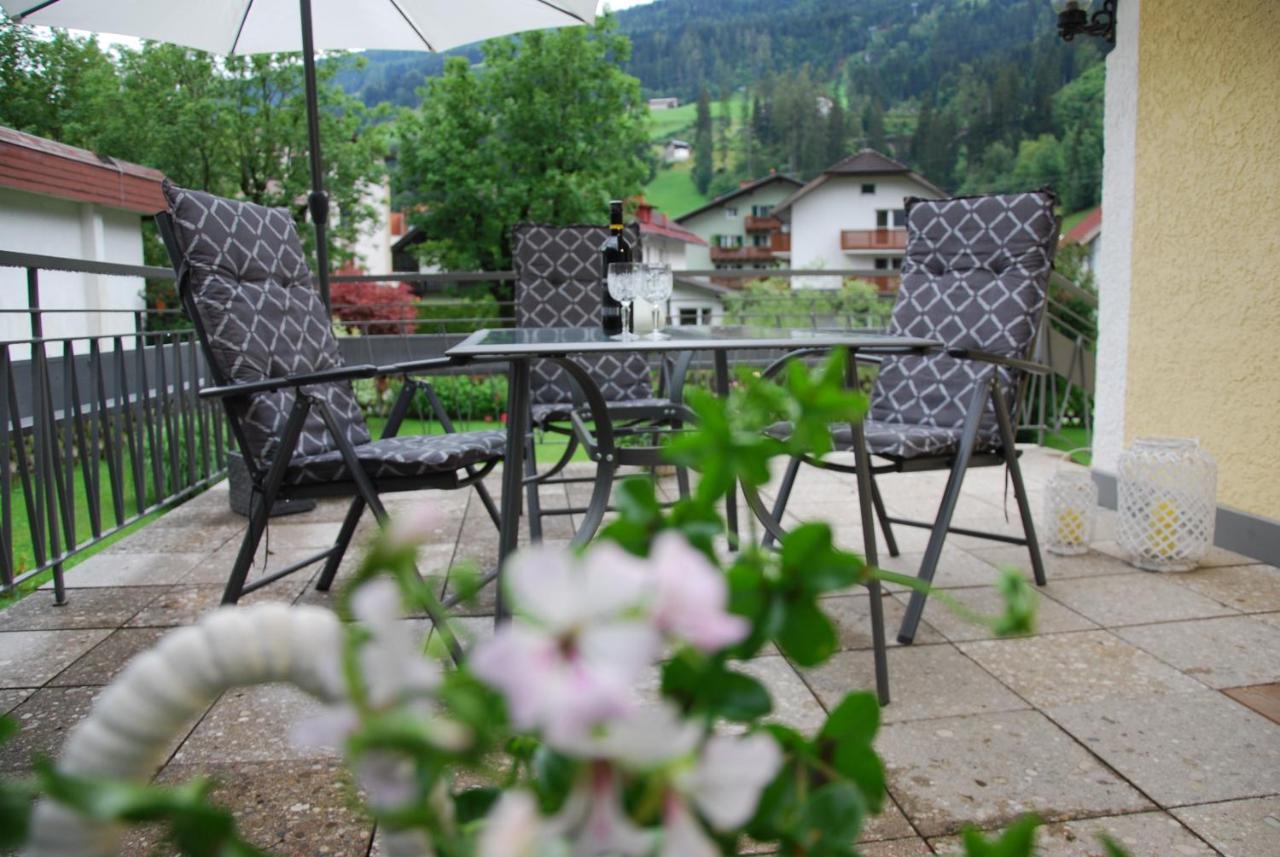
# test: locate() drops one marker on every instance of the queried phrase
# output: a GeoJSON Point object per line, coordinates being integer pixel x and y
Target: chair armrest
{"type": "Point", "coordinates": [267, 385]}
{"type": "Point", "coordinates": [776, 366]}
{"type": "Point", "coordinates": [997, 360]}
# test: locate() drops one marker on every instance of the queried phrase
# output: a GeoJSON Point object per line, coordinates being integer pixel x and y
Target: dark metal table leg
{"type": "Point", "coordinates": [862, 463]}
{"type": "Point", "coordinates": [512, 471]}
{"type": "Point", "coordinates": [731, 498]}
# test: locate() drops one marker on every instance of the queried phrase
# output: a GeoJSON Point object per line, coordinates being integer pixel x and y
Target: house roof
{"type": "Point", "coordinates": [867, 162]}
{"type": "Point", "coordinates": [1089, 228]}
{"type": "Point", "coordinates": [654, 222]}
{"type": "Point", "coordinates": [36, 165]}
{"type": "Point", "coordinates": [741, 190]}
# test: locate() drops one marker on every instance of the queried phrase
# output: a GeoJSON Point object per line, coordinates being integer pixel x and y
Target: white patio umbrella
{"type": "Point", "coordinates": [276, 26]}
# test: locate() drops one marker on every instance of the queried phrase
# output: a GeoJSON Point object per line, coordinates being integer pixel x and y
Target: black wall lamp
{"type": "Point", "coordinates": [1074, 18]}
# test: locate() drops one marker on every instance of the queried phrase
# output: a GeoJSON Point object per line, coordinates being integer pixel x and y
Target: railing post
{"type": "Point", "coordinates": [33, 303]}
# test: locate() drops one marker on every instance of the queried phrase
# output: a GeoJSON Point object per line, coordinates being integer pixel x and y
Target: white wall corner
{"type": "Point", "coordinates": [1115, 262]}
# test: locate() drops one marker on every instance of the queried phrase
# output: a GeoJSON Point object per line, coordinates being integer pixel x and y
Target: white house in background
{"type": "Point", "coordinates": [852, 217]}
{"type": "Point", "coordinates": [58, 200]}
{"type": "Point", "coordinates": [740, 227]}
{"type": "Point", "coordinates": [372, 248]}
{"type": "Point", "coordinates": [664, 103]}
{"type": "Point", "coordinates": [693, 300]}
{"type": "Point", "coordinates": [677, 150]}
{"type": "Point", "coordinates": [1087, 232]}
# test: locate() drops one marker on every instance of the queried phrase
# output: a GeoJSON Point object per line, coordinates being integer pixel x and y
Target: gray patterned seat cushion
{"type": "Point", "coordinates": [558, 283]}
{"type": "Point", "coordinates": [402, 457]}
{"type": "Point", "coordinates": [890, 439]}
{"type": "Point", "coordinates": [976, 275]}
{"type": "Point", "coordinates": [261, 316]}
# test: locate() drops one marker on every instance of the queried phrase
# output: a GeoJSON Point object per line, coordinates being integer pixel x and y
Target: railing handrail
{"type": "Point", "coordinates": [10, 259]}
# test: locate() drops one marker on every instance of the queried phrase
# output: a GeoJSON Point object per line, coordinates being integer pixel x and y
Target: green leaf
{"type": "Point", "coordinates": [553, 776]}
{"type": "Point", "coordinates": [834, 814]}
{"type": "Point", "coordinates": [1114, 849]}
{"type": "Point", "coordinates": [1018, 840]}
{"type": "Point", "coordinates": [846, 743]}
{"type": "Point", "coordinates": [474, 804]}
{"type": "Point", "coordinates": [738, 697]}
{"type": "Point", "coordinates": [806, 635]}
{"type": "Point", "coordinates": [1020, 604]}
{"type": "Point", "coordinates": [812, 562]}
{"type": "Point", "coordinates": [856, 718]}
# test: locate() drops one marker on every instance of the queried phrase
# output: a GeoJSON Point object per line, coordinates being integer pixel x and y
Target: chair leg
{"type": "Point", "coordinates": [784, 494]}
{"type": "Point", "coordinates": [531, 490]}
{"type": "Point", "coordinates": [330, 570]}
{"type": "Point", "coordinates": [950, 497]}
{"type": "Point", "coordinates": [880, 650]}
{"type": "Point", "coordinates": [259, 513]}
{"type": "Point", "coordinates": [883, 515]}
{"type": "Point", "coordinates": [1019, 488]}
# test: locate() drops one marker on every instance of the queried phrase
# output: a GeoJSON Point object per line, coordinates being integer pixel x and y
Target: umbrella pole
{"type": "Point", "coordinates": [317, 200]}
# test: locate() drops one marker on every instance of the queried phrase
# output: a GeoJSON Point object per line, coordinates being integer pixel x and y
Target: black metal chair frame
{"type": "Point", "coordinates": [268, 480]}
{"type": "Point", "coordinates": [957, 463]}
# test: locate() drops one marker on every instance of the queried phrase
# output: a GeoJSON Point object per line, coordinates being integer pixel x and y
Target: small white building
{"type": "Point", "coordinates": [677, 150]}
{"type": "Point", "coordinates": [666, 243]}
{"type": "Point", "coordinates": [669, 103]}
{"type": "Point", "coordinates": [58, 200]}
{"type": "Point", "coordinates": [853, 217]}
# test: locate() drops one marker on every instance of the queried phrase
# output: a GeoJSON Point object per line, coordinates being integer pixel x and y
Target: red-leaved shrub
{"type": "Point", "coordinates": [374, 308]}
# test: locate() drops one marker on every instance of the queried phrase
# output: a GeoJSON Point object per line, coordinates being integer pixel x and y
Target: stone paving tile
{"type": "Point", "coordinates": [1144, 834]}
{"type": "Point", "coordinates": [913, 847]}
{"type": "Point", "coordinates": [1227, 652]}
{"type": "Point", "coordinates": [1262, 698]}
{"type": "Point", "coordinates": [85, 608]}
{"type": "Point", "coordinates": [184, 605]}
{"type": "Point", "coordinates": [176, 539]}
{"type": "Point", "coordinates": [1051, 617]}
{"type": "Point", "coordinates": [143, 569]}
{"type": "Point", "coordinates": [956, 568]}
{"type": "Point", "coordinates": [252, 724]}
{"type": "Point", "coordinates": [988, 769]}
{"type": "Point", "coordinates": [1132, 599]}
{"type": "Point", "coordinates": [31, 658]}
{"type": "Point", "coordinates": [44, 720]}
{"type": "Point", "coordinates": [909, 539]}
{"type": "Point", "coordinates": [1092, 564]}
{"type": "Point", "coordinates": [793, 703]}
{"type": "Point", "coordinates": [291, 809]}
{"type": "Point", "coordinates": [269, 557]}
{"type": "Point", "coordinates": [1247, 588]}
{"type": "Point", "coordinates": [1182, 748]}
{"type": "Point", "coordinates": [924, 682]}
{"type": "Point", "coordinates": [13, 697]}
{"type": "Point", "coordinates": [1240, 828]}
{"type": "Point", "coordinates": [889, 824]}
{"type": "Point", "coordinates": [1272, 619]}
{"type": "Point", "coordinates": [107, 659]}
{"type": "Point", "coordinates": [851, 615]}
{"type": "Point", "coordinates": [1076, 668]}
{"type": "Point", "coordinates": [1216, 556]}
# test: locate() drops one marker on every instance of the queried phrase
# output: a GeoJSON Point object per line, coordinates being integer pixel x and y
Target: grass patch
{"type": "Point", "coordinates": [1068, 439]}
{"type": "Point", "coordinates": [672, 190]}
{"type": "Point", "coordinates": [1069, 221]}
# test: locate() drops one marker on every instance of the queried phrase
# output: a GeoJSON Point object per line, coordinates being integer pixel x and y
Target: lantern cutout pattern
{"type": "Point", "coordinates": [1167, 503]}
{"type": "Point", "coordinates": [1069, 503]}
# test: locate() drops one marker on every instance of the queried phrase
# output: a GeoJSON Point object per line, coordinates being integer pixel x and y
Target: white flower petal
{"type": "Point", "coordinates": [730, 775]}
{"type": "Point", "coordinates": [649, 738]}
{"type": "Point", "coordinates": [683, 836]}
{"type": "Point", "coordinates": [543, 584]}
{"type": "Point", "coordinates": [377, 603]}
{"type": "Point", "coordinates": [513, 827]}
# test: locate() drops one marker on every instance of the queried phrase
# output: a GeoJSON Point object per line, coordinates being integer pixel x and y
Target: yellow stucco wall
{"type": "Point", "coordinates": [1204, 338]}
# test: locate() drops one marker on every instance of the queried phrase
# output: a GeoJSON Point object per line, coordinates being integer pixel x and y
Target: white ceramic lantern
{"type": "Point", "coordinates": [1070, 501]}
{"type": "Point", "coordinates": [1167, 503]}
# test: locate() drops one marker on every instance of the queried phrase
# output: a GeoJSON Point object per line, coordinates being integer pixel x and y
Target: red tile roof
{"type": "Point", "coordinates": [654, 222]}
{"type": "Point", "coordinates": [49, 168]}
{"type": "Point", "coordinates": [1086, 230]}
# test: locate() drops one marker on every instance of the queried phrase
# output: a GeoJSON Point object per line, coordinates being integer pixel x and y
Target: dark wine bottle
{"type": "Point", "coordinates": [616, 249]}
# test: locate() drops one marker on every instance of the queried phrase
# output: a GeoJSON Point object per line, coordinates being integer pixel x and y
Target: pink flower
{"type": "Point", "coordinates": [594, 821]}
{"type": "Point", "coordinates": [692, 596]}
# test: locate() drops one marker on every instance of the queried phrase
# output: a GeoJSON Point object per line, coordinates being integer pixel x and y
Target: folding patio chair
{"type": "Point", "coordinates": [558, 284]}
{"type": "Point", "coordinates": [269, 345]}
{"type": "Point", "coordinates": [975, 278]}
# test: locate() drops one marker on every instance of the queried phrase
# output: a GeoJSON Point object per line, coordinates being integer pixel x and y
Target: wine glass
{"type": "Point", "coordinates": [658, 283]}
{"type": "Point", "coordinates": [625, 280]}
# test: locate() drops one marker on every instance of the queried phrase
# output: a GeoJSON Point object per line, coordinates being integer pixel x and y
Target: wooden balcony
{"type": "Point", "coordinates": [873, 239]}
{"type": "Point", "coordinates": [753, 223]}
{"type": "Point", "coordinates": [780, 242]}
{"type": "Point", "coordinates": [741, 254]}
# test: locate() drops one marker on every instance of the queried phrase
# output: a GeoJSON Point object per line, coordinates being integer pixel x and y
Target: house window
{"type": "Point", "coordinates": [730, 211]}
{"type": "Point", "coordinates": [728, 242]}
{"type": "Point", "coordinates": [694, 315]}
{"type": "Point", "coordinates": [760, 239]}
{"type": "Point", "coordinates": [761, 210]}
{"type": "Point", "coordinates": [882, 264]}
{"type": "Point", "coordinates": [868, 189]}
{"type": "Point", "coordinates": [899, 217]}
{"type": "Point", "coordinates": [897, 263]}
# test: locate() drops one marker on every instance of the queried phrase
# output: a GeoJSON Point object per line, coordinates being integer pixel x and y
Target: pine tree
{"type": "Point", "coordinates": [703, 148]}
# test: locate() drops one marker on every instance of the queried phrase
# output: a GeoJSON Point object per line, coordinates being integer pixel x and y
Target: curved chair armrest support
{"type": "Point", "coordinates": [998, 360]}
{"type": "Point", "coordinates": [268, 385]}
{"type": "Point", "coordinates": [776, 366]}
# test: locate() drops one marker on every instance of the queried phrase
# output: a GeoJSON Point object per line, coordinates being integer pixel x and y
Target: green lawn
{"type": "Point", "coordinates": [1069, 439]}
{"type": "Point", "coordinates": [672, 190]}
{"type": "Point", "coordinates": [1069, 221]}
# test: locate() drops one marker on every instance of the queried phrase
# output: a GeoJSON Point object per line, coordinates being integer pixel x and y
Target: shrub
{"type": "Point", "coordinates": [374, 308]}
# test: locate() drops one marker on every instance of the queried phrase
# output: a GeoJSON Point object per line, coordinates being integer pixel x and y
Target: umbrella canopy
{"type": "Point", "coordinates": [279, 26]}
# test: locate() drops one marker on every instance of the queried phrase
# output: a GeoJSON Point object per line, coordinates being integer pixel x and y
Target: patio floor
{"type": "Point", "coordinates": [1140, 707]}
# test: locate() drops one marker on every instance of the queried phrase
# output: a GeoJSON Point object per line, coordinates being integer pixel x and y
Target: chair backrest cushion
{"type": "Point", "coordinates": [259, 315]}
{"type": "Point", "coordinates": [976, 275]}
{"type": "Point", "coordinates": [558, 284]}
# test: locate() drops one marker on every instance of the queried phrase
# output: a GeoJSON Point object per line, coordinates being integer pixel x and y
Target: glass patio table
{"type": "Point", "coordinates": [519, 347]}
